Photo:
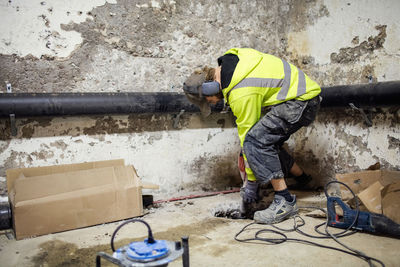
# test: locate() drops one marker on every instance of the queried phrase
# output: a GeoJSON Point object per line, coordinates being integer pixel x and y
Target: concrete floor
{"type": "Point", "coordinates": [211, 240]}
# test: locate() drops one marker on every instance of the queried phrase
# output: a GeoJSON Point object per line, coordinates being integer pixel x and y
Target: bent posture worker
{"type": "Point", "coordinates": [249, 80]}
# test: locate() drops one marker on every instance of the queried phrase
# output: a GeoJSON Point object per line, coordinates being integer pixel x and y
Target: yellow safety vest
{"type": "Point", "coordinates": [261, 80]}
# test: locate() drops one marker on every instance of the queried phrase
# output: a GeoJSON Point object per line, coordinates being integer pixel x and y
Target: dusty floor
{"type": "Point", "coordinates": [211, 240]}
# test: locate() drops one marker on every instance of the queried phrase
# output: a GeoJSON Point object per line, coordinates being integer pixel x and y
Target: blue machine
{"type": "Point", "coordinates": [149, 252]}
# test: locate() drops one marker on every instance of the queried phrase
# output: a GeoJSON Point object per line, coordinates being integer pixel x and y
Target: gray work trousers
{"type": "Point", "coordinates": [263, 143]}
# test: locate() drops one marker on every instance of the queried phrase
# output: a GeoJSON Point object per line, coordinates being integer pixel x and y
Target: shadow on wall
{"type": "Point", "coordinates": [216, 172]}
{"type": "Point", "coordinates": [341, 141]}
{"type": "Point", "coordinates": [113, 124]}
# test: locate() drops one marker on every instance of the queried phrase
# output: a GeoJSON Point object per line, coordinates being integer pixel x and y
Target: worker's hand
{"type": "Point", "coordinates": [250, 192]}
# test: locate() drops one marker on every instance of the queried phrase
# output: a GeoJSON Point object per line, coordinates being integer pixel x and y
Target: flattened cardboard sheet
{"type": "Point", "coordinates": [371, 197]}
{"type": "Point", "coordinates": [391, 201]}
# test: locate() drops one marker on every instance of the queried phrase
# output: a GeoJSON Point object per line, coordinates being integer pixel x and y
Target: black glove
{"type": "Point", "coordinates": [250, 192]}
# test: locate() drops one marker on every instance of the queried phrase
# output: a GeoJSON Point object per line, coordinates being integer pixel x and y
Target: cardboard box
{"type": "Point", "coordinates": [371, 197]}
{"type": "Point", "coordinates": [57, 198]}
{"type": "Point", "coordinates": [359, 181]}
{"type": "Point", "coordinates": [391, 201]}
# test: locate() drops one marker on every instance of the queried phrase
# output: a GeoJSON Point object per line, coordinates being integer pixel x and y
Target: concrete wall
{"type": "Point", "coordinates": [152, 46]}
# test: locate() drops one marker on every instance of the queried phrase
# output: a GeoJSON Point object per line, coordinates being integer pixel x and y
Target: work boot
{"type": "Point", "coordinates": [278, 211]}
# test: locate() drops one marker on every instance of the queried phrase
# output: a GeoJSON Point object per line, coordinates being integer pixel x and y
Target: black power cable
{"type": "Point", "coordinates": [150, 238]}
{"type": "Point", "coordinates": [298, 222]}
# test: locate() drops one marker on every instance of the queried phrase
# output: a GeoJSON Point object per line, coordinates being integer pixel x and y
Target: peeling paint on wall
{"type": "Point", "coordinates": [33, 27]}
{"type": "Point", "coordinates": [352, 54]}
{"type": "Point", "coordinates": [117, 124]}
{"type": "Point", "coordinates": [353, 34]}
{"type": "Point", "coordinates": [339, 141]}
{"type": "Point", "coordinates": [394, 143]}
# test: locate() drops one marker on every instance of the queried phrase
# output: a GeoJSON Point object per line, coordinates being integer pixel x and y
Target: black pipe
{"type": "Point", "coordinates": [56, 104]}
{"type": "Point", "coordinates": [61, 104]}
{"type": "Point", "coordinates": [362, 95]}
{"type": "Point", "coordinates": [5, 216]}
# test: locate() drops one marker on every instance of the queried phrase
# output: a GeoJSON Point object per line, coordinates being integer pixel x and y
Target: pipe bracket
{"type": "Point", "coordinates": [177, 118]}
{"type": "Point", "coordinates": [8, 87]}
{"type": "Point", "coordinates": [365, 116]}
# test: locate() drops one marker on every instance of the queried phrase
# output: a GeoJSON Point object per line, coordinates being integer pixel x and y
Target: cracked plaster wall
{"type": "Point", "coordinates": [150, 46]}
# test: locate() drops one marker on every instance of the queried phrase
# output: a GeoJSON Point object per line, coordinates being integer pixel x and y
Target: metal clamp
{"type": "Point", "coordinates": [177, 118]}
{"type": "Point", "coordinates": [8, 87]}
{"type": "Point", "coordinates": [12, 116]}
{"type": "Point", "coordinates": [367, 120]}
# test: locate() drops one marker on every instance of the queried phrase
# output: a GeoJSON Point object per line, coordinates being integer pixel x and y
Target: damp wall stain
{"type": "Point", "coordinates": [297, 9]}
{"type": "Point", "coordinates": [216, 171]}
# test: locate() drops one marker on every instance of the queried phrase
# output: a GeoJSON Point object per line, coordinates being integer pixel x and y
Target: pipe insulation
{"type": "Point", "coordinates": [63, 104]}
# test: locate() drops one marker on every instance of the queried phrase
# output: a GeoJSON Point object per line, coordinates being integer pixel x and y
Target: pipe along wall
{"type": "Point", "coordinates": [61, 104]}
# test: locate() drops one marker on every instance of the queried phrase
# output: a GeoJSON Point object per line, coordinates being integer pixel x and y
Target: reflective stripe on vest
{"type": "Point", "coordinates": [271, 82]}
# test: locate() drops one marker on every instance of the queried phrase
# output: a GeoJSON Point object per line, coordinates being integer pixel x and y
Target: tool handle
{"type": "Point", "coordinates": [333, 218]}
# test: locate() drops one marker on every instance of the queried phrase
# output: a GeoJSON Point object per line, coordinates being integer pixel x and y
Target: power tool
{"type": "Point", "coordinates": [358, 220]}
{"type": "Point", "coordinates": [150, 252]}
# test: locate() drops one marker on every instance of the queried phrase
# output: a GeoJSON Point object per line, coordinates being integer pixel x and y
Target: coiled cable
{"type": "Point", "coordinates": [298, 222]}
